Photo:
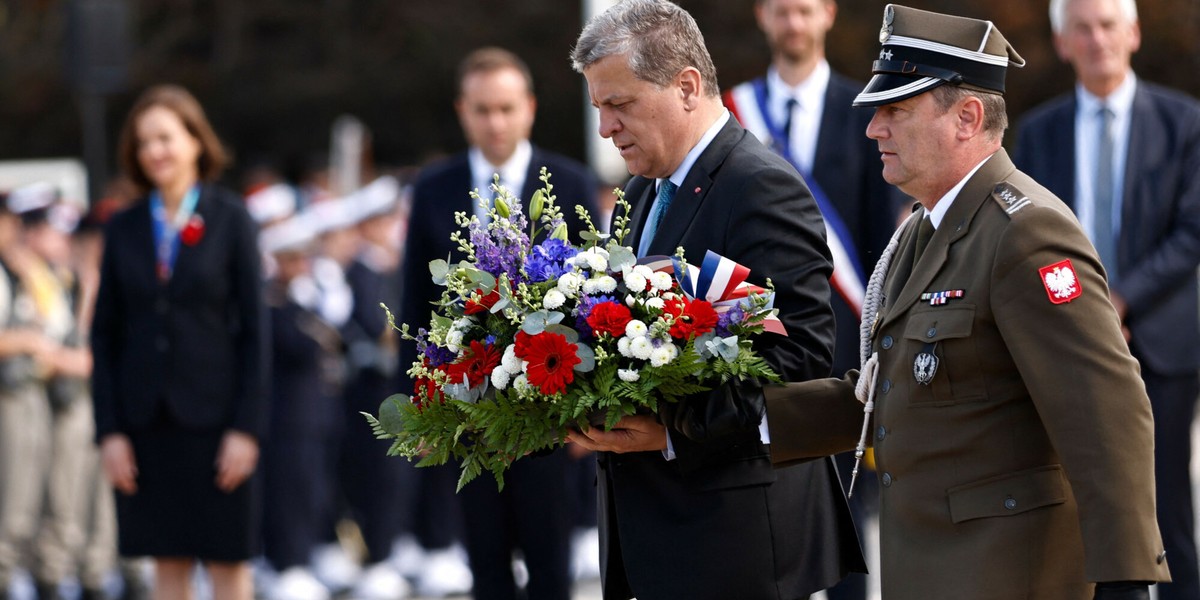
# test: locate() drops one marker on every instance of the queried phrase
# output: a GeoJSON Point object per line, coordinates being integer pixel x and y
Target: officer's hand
{"type": "Point", "coordinates": [1122, 590]}
{"type": "Point", "coordinates": [116, 455]}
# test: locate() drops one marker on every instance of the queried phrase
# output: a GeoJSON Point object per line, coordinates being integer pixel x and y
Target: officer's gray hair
{"type": "Point", "coordinates": [659, 38]}
{"type": "Point", "coordinates": [995, 111]}
{"type": "Point", "coordinates": [1058, 12]}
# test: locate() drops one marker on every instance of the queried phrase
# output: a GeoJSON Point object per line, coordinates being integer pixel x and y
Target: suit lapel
{"type": "Point", "coordinates": [186, 254]}
{"type": "Point", "coordinates": [696, 185]}
{"type": "Point", "coordinates": [1141, 156]}
{"type": "Point", "coordinates": [142, 236]}
{"type": "Point", "coordinates": [955, 225]}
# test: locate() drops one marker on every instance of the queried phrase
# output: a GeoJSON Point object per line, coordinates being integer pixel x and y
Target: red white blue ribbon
{"type": "Point", "coordinates": [719, 280]}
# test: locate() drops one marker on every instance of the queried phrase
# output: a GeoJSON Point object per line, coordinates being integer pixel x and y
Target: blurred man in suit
{"type": "Point", "coordinates": [1124, 154]}
{"type": "Point", "coordinates": [802, 110]}
{"type": "Point", "coordinates": [701, 181]}
{"type": "Point", "coordinates": [496, 108]}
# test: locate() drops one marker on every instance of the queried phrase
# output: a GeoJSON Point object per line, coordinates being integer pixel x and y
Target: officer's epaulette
{"type": "Point", "coordinates": [1009, 197]}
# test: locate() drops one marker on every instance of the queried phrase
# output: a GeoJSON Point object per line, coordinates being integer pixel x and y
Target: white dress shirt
{"type": "Point", "coordinates": [1087, 140]}
{"type": "Point", "coordinates": [806, 116]}
{"type": "Point", "coordinates": [512, 173]}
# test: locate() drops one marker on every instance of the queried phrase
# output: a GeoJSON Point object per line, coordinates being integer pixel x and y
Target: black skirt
{"type": "Point", "coordinates": [178, 511]}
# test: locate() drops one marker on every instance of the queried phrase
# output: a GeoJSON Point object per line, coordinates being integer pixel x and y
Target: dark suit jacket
{"type": "Point", "coordinates": [1159, 244]}
{"type": "Point", "coordinates": [440, 191]}
{"type": "Point", "coordinates": [719, 522]}
{"type": "Point", "coordinates": [196, 347]}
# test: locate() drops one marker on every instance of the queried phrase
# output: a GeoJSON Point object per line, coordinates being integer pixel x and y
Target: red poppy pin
{"type": "Point", "coordinates": [193, 231]}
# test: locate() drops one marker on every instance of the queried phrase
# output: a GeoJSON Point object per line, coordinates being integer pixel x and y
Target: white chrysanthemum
{"type": "Point", "coordinates": [655, 303]}
{"type": "Point", "coordinates": [635, 328]}
{"type": "Point", "coordinates": [641, 347]}
{"type": "Point", "coordinates": [661, 281]}
{"type": "Point", "coordinates": [623, 347]}
{"type": "Point", "coordinates": [553, 299]}
{"type": "Point", "coordinates": [510, 362]}
{"type": "Point", "coordinates": [500, 378]}
{"type": "Point", "coordinates": [629, 375]}
{"type": "Point", "coordinates": [661, 355]}
{"type": "Point", "coordinates": [454, 340]}
{"type": "Point", "coordinates": [630, 300]}
{"type": "Point", "coordinates": [670, 296]}
{"type": "Point", "coordinates": [634, 281]}
{"type": "Point", "coordinates": [606, 284]}
{"type": "Point", "coordinates": [521, 382]}
{"type": "Point", "coordinates": [643, 270]}
{"type": "Point", "coordinates": [595, 259]}
{"type": "Point", "coordinates": [570, 283]}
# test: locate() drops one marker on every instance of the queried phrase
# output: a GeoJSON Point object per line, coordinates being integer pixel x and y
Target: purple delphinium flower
{"type": "Point", "coordinates": [728, 319]}
{"type": "Point", "coordinates": [498, 247]}
{"type": "Point", "coordinates": [549, 260]}
{"type": "Point", "coordinates": [434, 354]}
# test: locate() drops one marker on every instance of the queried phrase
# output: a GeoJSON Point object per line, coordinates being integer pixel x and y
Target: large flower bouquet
{"type": "Point", "coordinates": [534, 335]}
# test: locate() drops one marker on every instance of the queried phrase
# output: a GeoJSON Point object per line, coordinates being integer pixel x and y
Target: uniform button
{"type": "Point", "coordinates": [887, 480]}
{"type": "Point", "coordinates": [162, 344]}
{"type": "Point", "coordinates": [1010, 503]}
{"type": "Point", "coordinates": [1162, 556]}
{"type": "Point", "coordinates": [932, 332]}
{"type": "Point", "coordinates": [887, 342]}
{"type": "Point", "coordinates": [886, 386]}
{"type": "Point", "coordinates": [880, 433]}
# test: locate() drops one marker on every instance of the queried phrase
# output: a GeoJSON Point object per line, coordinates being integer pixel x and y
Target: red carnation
{"type": "Point", "coordinates": [691, 318]}
{"type": "Point", "coordinates": [193, 231]}
{"type": "Point", "coordinates": [610, 318]}
{"type": "Point", "coordinates": [551, 359]}
{"type": "Point", "coordinates": [476, 364]}
{"type": "Point", "coordinates": [478, 303]}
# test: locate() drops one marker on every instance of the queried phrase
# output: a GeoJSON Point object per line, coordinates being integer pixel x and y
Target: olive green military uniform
{"type": "Point", "coordinates": [1023, 467]}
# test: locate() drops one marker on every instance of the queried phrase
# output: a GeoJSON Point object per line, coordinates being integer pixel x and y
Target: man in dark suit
{"type": "Point", "coordinates": [1124, 154]}
{"type": "Point", "coordinates": [496, 108]}
{"type": "Point", "coordinates": [802, 110]}
{"type": "Point", "coordinates": [673, 509]}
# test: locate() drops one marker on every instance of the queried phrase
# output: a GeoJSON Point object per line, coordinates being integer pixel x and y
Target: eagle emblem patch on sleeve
{"type": "Point", "coordinates": [1061, 283]}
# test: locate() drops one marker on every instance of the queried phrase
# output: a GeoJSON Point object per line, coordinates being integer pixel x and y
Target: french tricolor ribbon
{"type": "Point", "coordinates": [718, 280]}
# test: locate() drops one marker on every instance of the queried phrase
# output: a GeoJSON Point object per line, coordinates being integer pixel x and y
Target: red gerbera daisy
{"type": "Point", "coordinates": [476, 364]}
{"type": "Point", "coordinates": [551, 359]}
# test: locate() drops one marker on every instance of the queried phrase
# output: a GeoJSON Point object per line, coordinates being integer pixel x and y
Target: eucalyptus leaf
{"type": "Point", "coordinates": [439, 269]}
{"type": "Point", "coordinates": [587, 358]}
{"type": "Point", "coordinates": [571, 335]}
{"type": "Point", "coordinates": [391, 419]}
{"type": "Point", "coordinates": [620, 257]}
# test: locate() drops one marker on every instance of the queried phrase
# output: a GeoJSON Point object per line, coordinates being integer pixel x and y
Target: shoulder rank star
{"type": "Point", "coordinates": [939, 298]}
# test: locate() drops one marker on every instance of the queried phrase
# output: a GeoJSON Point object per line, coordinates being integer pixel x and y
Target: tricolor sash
{"type": "Point", "coordinates": [748, 103]}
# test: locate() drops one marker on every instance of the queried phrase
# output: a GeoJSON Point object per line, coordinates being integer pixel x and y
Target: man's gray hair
{"type": "Point", "coordinates": [995, 111]}
{"type": "Point", "coordinates": [659, 38]}
{"type": "Point", "coordinates": [1058, 12]}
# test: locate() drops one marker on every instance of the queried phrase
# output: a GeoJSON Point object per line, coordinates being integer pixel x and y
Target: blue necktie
{"type": "Point", "coordinates": [666, 193]}
{"type": "Point", "coordinates": [1103, 235]}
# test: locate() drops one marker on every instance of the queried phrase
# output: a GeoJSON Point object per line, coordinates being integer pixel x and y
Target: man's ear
{"type": "Point", "coordinates": [690, 86]}
{"type": "Point", "coordinates": [970, 118]}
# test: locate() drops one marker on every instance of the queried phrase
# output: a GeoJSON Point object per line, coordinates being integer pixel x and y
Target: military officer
{"type": "Point", "coordinates": [1012, 433]}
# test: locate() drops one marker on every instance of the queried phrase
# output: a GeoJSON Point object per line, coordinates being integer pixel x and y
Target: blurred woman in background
{"type": "Point", "coordinates": [180, 348]}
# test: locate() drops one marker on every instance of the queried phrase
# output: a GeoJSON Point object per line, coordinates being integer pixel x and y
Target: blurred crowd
{"type": "Point", "coordinates": [339, 516]}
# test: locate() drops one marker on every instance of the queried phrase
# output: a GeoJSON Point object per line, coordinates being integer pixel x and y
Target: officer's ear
{"type": "Point", "coordinates": [969, 116]}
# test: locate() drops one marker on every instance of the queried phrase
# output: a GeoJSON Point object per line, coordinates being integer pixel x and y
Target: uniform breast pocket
{"type": "Point", "coordinates": [944, 358]}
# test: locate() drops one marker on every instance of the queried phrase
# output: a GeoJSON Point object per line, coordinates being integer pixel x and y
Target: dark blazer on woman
{"type": "Point", "coordinates": [194, 346]}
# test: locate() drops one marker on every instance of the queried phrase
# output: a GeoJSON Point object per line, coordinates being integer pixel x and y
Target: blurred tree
{"type": "Point", "coordinates": [274, 74]}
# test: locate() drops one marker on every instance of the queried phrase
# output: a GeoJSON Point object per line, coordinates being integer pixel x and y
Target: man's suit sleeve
{"type": "Point", "coordinates": [1086, 388]}
{"type": "Point", "coordinates": [776, 230]}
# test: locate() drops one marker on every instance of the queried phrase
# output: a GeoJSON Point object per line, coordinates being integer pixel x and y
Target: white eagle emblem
{"type": "Point", "coordinates": [1061, 282]}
